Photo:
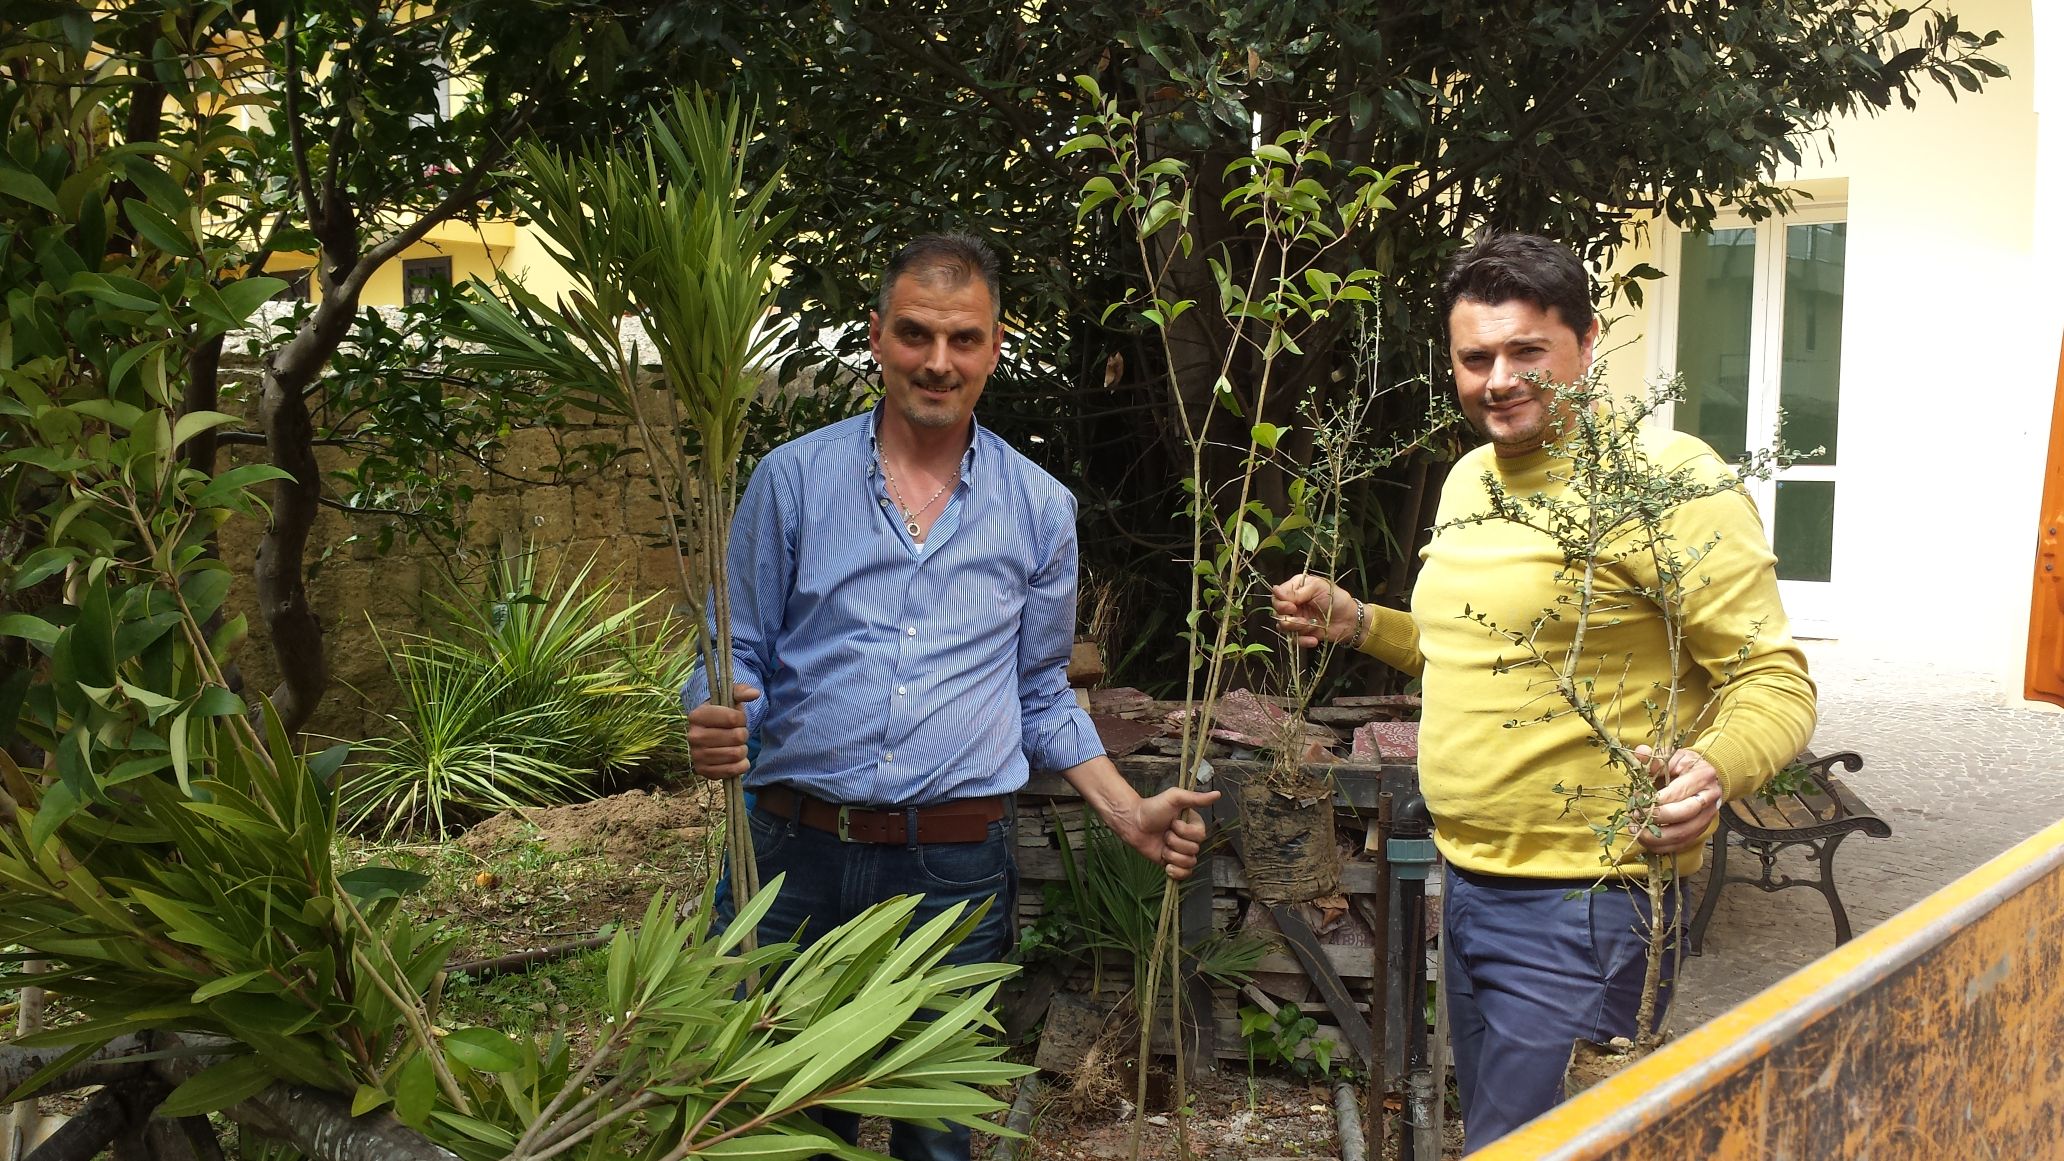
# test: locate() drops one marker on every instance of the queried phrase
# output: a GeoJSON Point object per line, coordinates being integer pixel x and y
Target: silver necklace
{"type": "Point", "coordinates": [910, 515]}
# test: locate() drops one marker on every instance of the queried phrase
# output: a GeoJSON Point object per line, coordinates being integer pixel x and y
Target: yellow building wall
{"type": "Point", "coordinates": [473, 260]}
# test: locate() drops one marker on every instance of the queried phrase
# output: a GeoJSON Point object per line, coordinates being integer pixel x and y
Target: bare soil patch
{"type": "Point", "coordinates": [535, 878]}
{"type": "Point", "coordinates": [1233, 1117]}
{"type": "Point", "coordinates": [633, 825]}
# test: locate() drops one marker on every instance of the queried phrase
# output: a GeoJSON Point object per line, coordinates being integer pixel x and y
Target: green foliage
{"type": "Point", "coordinates": [1109, 904]}
{"type": "Point", "coordinates": [1573, 119]}
{"type": "Point", "coordinates": [1288, 1039]}
{"type": "Point", "coordinates": [108, 583]}
{"type": "Point", "coordinates": [170, 859]}
{"type": "Point", "coordinates": [868, 1019]}
{"type": "Point", "coordinates": [1794, 778]}
{"type": "Point", "coordinates": [239, 133]}
{"type": "Point", "coordinates": [1290, 205]}
{"type": "Point", "coordinates": [543, 693]}
{"type": "Point", "coordinates": [213, 909]}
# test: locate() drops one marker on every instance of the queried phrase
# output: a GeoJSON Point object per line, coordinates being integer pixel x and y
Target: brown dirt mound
{"type": "Point", "coordinates": [631, 825]}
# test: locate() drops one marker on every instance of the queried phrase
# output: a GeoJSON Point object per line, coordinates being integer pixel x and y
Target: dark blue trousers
{"type": "Point", "coordinates": [830, 882]}
{"type": "Point", "coordinates": [1531, 966]}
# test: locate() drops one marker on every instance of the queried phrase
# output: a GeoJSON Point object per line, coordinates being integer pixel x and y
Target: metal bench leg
{"type": "Point", "coordinates": [1826, 850]}
{"type": "Point", "coordinates": [1716, 878]}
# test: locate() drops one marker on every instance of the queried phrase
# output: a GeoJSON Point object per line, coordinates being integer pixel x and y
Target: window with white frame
{"type": "Point", "coordinates": [1751, 316]}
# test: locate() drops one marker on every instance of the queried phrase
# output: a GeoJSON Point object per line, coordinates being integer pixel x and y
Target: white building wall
{"type": "Point", "coordinates": [1954, 304]}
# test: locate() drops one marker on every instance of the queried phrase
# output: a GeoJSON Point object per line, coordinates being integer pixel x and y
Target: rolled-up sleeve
{"type": "Point", "coordinates": [1058, 734]}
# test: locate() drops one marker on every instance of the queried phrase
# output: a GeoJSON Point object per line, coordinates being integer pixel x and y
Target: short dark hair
{"type": "Point", "coordinates": [1502, 267]}
{"type": "Point", "coordinates": [952, 258]}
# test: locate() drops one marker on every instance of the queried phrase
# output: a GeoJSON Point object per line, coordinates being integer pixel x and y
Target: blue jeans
{"type": "Point", "coordinates": [830, 882]}
{"type": "Point", "coordinates": [1529, 971]}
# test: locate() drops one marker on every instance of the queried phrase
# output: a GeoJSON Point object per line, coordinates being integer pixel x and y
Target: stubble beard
{"type": "Point", "coordinates": [1526, 430]}
{"type": "Point", "coordinates": [926, 413]}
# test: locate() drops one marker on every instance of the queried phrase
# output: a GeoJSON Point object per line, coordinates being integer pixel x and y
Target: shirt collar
{"type": "Point", "coordinates": [871, 445]}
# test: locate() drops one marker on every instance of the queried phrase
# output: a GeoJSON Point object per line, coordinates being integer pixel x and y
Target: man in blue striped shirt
{"type": "Point", "coordinates": [902, 609]}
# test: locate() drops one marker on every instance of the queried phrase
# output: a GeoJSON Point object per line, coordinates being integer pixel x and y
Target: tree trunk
{"type": "Point", "coordinates": [203, 393]}
{"type": "Point", "coordinates": [106, 1116]}
{"type": "Point", "coordinates": [486, 969]}
{"type": "Point", "coordinates": [317, 1123]}
{"type": "Point", "coordinates": [290, 620]}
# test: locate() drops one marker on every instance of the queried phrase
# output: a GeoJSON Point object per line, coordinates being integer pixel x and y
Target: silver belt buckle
{"type": "Point", "coordinates": [845, 820]}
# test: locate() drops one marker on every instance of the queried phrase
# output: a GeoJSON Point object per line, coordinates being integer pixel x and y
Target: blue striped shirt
{"type": "Point", "coordinates": [893, 673]}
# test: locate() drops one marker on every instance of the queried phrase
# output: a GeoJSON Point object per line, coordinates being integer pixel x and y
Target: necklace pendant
{"type": "Point", "coordinates": [913, 529]}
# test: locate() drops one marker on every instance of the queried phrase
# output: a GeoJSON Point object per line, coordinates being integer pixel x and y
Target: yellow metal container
{"type": "Point", "coordinates": [1937, 1035]}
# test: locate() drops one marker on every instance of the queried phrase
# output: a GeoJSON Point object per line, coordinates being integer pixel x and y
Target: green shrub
{"type": "Point", "coordinates": [1109, 904]}
{"type": "Point", "coordinates": [543, 693]}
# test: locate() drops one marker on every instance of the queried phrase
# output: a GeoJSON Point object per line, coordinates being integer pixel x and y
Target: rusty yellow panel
{"type": "Point", "coordinates": [1939, 1034]}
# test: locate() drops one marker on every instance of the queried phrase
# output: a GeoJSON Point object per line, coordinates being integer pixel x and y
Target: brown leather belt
{"type": "Point", "coordinates": [964, 821]}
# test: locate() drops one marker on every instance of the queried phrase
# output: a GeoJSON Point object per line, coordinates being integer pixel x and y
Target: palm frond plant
{"type": "Point", "coordinates": [868, 1019]}
{"type": "Point", "coordinates": [458, 751]}
{"type": "Point", "coordinates": [673, 233]}
{"type": "Point", "coordinates": [615, 669]}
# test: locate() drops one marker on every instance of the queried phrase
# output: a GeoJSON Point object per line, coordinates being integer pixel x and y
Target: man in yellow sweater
{"type": "Point", "coordinates": [1533, 959]}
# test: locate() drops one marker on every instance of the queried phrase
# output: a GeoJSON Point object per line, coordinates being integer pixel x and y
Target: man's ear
{"type": "Point", "coordinates": [1588, 342]}
{"type": "Point", "coordinates": [874, 332]}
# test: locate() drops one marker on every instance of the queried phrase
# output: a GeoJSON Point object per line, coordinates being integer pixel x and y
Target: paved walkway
{"type": "Point", "coordinates": [1961, 768]}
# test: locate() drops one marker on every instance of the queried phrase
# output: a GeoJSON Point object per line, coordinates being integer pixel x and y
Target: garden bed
{"type": "Point", "coordinates": [551, 876]}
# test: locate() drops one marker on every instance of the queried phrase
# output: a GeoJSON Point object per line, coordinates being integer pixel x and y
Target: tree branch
{"type": "Point", "coordinates": [316, 1122]}
{"type": "Point", "coordinates": [116, 1110]}
{"type": "Point", "coordinates": [112, 1062]}
{"type": "Point", "coordinates": [297, 143]}
{"type": "Point", "coordinates": [1542, 111]}
{"type": "Point", "coordinates": [484, 969]}
{"type": "Point", "coordinates": [467, 192]}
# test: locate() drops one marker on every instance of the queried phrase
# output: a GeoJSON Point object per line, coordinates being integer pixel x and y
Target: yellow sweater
{"type": "Point", "coordinates": [1490, 783]}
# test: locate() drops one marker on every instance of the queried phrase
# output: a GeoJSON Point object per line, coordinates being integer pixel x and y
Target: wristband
{"type": "Point", "coordinates": [1361, 614]}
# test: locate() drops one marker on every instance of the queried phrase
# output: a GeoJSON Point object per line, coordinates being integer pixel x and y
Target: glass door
{"type": "Point", "coordinates": [1752, 318]}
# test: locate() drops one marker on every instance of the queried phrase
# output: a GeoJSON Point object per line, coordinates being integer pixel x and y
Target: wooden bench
{"type": "Point", "coordinates": [1816, 812]}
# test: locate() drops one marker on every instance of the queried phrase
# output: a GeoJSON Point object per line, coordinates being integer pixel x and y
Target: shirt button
{"type": "Point", "coordinates": [899, 691]}
{"type": "Point", "coordinates": [889, 757]}
{"type": "Point", "coordinates": [911, 631]}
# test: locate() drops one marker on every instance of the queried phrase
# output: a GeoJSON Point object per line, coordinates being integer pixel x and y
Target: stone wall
{"type": "Point", "coordinates": [614, 517]}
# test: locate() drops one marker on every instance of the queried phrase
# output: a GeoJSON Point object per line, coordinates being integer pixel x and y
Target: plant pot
{"type": "Point", "coordinates": [1286, 838]}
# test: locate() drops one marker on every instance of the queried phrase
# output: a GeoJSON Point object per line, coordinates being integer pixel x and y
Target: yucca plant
{"type": "Point", "coordinates": [673, 233]}
{"type": "Point", "coordinates": [540, 694]}
{"type": "Point", "coordinates": [612, 673]}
